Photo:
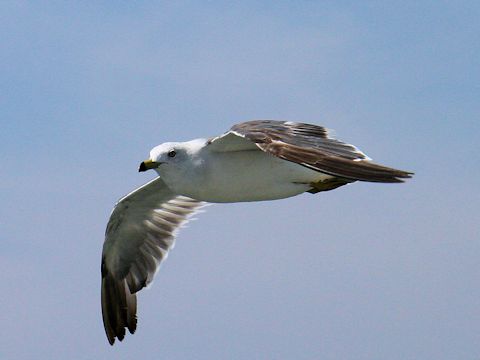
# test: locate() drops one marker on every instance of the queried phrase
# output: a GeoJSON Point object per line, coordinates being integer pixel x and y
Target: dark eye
{"type": "Point", "coordinates": [172, 153]}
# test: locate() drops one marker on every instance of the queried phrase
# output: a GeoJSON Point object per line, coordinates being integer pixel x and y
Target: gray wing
{"type": "Point", "coordinates": [310, 146]}
{"type": "Point", "coordinates": [139, 234]}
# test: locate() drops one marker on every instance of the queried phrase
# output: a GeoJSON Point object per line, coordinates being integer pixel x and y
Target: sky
{"type": "Point", "coordinates": [368, 271]}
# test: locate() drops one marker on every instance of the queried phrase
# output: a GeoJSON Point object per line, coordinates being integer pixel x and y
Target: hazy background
{"type": "Point", "coordinates": [369, 271]}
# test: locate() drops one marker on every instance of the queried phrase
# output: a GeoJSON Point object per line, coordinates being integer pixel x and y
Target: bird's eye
{"type": "Point", "coordinates": [172, 153]}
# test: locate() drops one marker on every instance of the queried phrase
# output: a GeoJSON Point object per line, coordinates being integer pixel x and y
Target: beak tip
{"type": "Point", "coordinates": [147, 165]}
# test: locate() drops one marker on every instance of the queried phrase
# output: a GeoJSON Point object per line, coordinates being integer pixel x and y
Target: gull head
{"type": "Point", "coordinates": [167, 153]}
{"type": "Point", "coordinates": [171, 155]}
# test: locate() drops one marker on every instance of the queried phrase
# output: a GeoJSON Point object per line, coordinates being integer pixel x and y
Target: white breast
{"type": "Point", "coordinates": [244, 176]}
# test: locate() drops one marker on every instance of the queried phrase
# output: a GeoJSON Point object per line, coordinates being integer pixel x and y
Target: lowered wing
{"type": "Point", "coordinates": [139, 234]}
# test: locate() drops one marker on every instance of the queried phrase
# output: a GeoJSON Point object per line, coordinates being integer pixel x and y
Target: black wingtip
{"type": "Point", "coordinates": [119, 308]}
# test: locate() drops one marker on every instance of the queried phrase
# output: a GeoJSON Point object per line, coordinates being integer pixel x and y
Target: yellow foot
{"type": "Point", "coordinates": [328, 184]}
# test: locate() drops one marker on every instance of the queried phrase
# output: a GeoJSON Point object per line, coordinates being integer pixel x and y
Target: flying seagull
{"type": "Point", "coordinates": [254, 161]}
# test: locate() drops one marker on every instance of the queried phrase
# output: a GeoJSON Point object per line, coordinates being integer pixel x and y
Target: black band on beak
{"type": "Point", "coordinates": [147, 165]}
{"type": "Point", "coordinates": [142, 167]}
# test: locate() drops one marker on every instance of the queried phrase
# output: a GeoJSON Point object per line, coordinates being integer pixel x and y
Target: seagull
{"type": "Point", "coordinates": [253, 161]}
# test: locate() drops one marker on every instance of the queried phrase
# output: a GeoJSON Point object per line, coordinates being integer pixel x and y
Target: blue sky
{"type": "Point", "coordinates": [368, 271]}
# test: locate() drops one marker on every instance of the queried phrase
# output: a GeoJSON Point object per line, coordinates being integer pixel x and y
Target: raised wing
{"type": "Point", "coordinates": [231, 141]}
{"type": "Point", "coordinates": [139, 234]}
{"type": "Point", "coordinates": [310, 146]}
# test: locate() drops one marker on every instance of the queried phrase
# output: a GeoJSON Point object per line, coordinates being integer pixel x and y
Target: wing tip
{"type": "Point", "coordinates": [119, 307]}
{"type": "Point", "coordinates": [389, 175]}
{"type": "Point", "coordinates": [400, 175]}
{"type": "Point", "coordinates": [365, 170]}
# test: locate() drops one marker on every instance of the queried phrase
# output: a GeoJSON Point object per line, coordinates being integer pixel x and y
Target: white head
{"type": "Point", "coordinates": [171, 156]}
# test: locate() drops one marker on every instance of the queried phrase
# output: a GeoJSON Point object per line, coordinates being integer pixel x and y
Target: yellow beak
{"type": "Point", "coordinates": [147, 165]}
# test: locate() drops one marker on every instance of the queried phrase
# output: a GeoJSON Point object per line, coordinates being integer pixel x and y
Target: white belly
{"type": "Point", "coordinates": [247, 176]}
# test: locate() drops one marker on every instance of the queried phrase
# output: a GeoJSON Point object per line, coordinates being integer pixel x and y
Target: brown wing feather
{"type": "Point", "coordinates": [310, 146]}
